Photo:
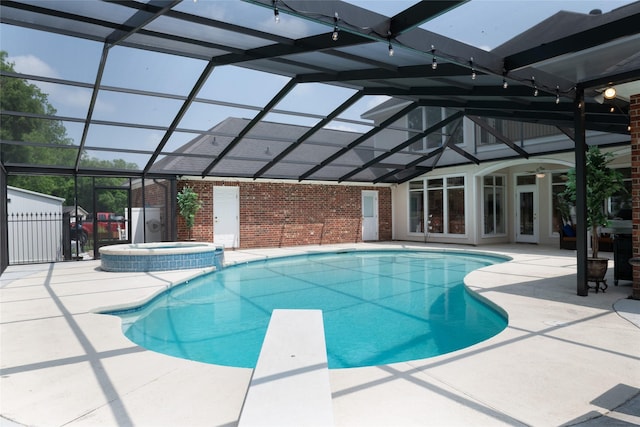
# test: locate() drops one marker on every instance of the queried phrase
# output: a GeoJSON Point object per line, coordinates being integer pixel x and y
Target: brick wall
{"type": "Point", "coordinates": [156, 193]}
{"type": "Point", "coordinates": [634, 113]}
{"type": "Point", "coordinates": [203, 228]}
{"type": "Point", "coordinates": [284, 214]}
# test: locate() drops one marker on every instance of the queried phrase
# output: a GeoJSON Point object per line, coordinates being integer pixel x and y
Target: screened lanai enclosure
{"type": "Point", "coordinates": [110, 104]}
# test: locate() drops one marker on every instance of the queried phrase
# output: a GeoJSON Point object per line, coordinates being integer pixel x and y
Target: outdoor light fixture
{"type": "Point", "coordinates": [610, 92]}
{"type": "Point", "coordinates": [390, 48]}
{"type": "Point", "coordinates": [434, 61]}
{"type": "Point", "coordinates": [557, 94]}
{"type": "Point", "coordinates": [535, 86]}
{"type": "Point", "coordinates": [276, 12]}
{"type": "Point", "coordinates": [334, 36]}
{"type": "Point", "coordinates": [473, 70]}
{"type": "Point", "coordinates": [504, 83]}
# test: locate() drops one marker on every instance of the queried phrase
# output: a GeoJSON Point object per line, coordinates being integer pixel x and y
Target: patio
{"type": "Point", "coordinates": [563, 359]}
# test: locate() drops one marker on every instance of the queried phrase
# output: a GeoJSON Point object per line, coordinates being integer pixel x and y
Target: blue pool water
{"type": "Point", "coordinates": [379, 307]}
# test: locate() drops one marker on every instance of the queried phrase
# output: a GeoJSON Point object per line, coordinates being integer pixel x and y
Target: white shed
{"type": "Point", "coordinates": [35, 226]}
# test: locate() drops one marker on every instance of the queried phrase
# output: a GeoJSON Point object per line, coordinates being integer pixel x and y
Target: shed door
{"type": "Point", "coordinates": [226, 216]}
{"type": "Point", "coordinates": [369, 215]}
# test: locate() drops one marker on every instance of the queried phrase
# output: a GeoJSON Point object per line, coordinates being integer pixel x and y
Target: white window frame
{"type": "Point", "coordinates": [504, 205]}
{"type": "Point", "coordinates": [424, 125]}
{"type": "Point", "coordinates": [445, 207]}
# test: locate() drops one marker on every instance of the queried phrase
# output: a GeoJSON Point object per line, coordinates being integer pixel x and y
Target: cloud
{"type": "Point", "coordinates": [30, 64]}
{"type": "Point", "coordinates": [68, 100]}
{"type": "Point", "coordinates": [73, 101]}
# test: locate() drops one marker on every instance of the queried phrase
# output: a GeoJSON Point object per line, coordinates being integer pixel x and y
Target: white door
{"type": "Point", "coordinates": [369, 215]}
{"type": "Point", "coordinates": [527, 214]}
{"type": "Point", "coordinates": [226, 216]}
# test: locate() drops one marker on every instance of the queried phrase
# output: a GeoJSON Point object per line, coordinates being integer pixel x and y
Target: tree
{"type": "Point", "coordinates": [45, 142]}
{"type": "Point", "coordinates": [602, 182]}
{"type": "Point", "coordinates": [189, 205]}
{"type": "Point", "coordinates": [111, 201]}
{"type": "Point", "coordinates": [20, 96]}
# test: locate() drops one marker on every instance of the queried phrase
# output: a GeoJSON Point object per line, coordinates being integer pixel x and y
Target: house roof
{"type": "Point", "coordinates": [42, 196]}
{"type": "Point", "coordinates": [561, 58]}
{"type": "Point", "coordinates": [256, 152]}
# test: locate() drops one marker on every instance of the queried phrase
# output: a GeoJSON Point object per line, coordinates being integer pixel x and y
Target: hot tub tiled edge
{"type": "Point", "coordinates": [164, 256]}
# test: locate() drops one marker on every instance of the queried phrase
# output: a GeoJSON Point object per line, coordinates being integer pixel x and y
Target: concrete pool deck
{"type": "Point", "coordinates": [562, 360]}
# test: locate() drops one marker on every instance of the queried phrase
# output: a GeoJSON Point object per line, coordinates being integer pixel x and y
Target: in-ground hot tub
{"type": "Point", "coordinates": [161, 256]}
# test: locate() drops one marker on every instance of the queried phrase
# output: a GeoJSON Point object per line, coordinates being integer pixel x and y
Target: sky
{"type": "Point", "coordinates": [488, 23]}
{"type": "Point", "coordinates": [482, 23]}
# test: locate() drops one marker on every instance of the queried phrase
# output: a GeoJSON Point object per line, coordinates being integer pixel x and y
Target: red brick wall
{"type": "Point", "coordinates": [203, 228]}
{"type": "Point", "coordinates": [283, 214]}
{"type": "Point", "coordinates": [156, 193]}
{"type": "Point", "coordinates": [634, 113]}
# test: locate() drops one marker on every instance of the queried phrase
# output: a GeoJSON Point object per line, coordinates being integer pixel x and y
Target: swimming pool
{"type": "Point", "coordinates": [379, 307]}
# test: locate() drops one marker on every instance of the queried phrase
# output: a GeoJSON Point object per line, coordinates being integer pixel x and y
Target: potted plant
{"type": "Point", "coordinates": [566, 226]}
{"type": "Point", "coordinates": [189, 205]}
{"type": "Point", "coordinates": [602, 182]}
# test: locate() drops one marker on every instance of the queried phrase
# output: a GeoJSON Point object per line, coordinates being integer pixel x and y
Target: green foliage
{"type": "Point", "coordinates": [20, 96]}
{"type": "Point", "coordinates": [189, 205]}
{"type": "Point", "coordinates": [564, 209]}
{"type": "Point", "coordinates": [45, 142]}
{"type": "Point", "coordinates": [602, 182]}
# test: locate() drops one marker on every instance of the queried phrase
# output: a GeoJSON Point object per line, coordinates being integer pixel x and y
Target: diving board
{"type": "Point", "coordinates": [290, 383]}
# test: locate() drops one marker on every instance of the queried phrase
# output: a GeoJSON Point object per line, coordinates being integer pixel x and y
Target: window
{"type": "Point", "coordinates": [484, 137]}
{"type": "Point", "coordinates": [445, 205]}
{"type": "Point", "coordinates": [561, 211]}
{"type": "Point", "coordinates": [619, 205]}
{"type": "Point", "coordinates": [493, 207]}
{"type": "Point", "coordinates": [424, 117]}
{"type": "Point", "coordinates": [435, 205]}
{"type": "Point", "coordinates": [455, 204]}
{"type": "Point", "coordinates": [416, 207]}
{"type": "Point", "coordinates": [526, 180]}
{"type": "Point", "coordinates": [514, 131]}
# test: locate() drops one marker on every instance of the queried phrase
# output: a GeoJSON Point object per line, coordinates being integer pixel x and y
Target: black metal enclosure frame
{"type": "Point", "coordinates": [550, 75]}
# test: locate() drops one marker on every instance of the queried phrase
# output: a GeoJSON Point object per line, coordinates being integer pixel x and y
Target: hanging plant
{"type": "Point", "coordinates": [189, 205]}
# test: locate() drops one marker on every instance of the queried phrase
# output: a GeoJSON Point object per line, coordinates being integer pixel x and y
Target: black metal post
{"type": "Point", "coordinates": [581, 193]}
{"type": "Point", "coordinates": [174, 210]}
{"type": "Point", "coordinates": [4, 220]}
{"type": "Point", "coordinates": [144, 210]}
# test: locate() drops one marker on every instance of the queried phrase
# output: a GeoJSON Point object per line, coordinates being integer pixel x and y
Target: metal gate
{"type": "Point", "coordinates": [35, 237]}
{"type": "Point", "coordinates": [109, 227]}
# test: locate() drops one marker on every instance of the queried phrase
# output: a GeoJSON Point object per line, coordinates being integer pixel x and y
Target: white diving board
{"type": "Point", "coordinates": [290, 383]}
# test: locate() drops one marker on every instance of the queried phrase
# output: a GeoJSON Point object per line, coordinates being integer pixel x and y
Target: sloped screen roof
{"type": "Point", "coordinates": [223, 88]}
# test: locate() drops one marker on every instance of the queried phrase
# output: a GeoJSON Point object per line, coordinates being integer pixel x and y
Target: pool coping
{"type": "Point", "coordinates": [563, 359]}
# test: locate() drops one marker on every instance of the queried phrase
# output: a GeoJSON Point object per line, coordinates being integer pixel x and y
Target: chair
{"type": "Point", "coordinates": [568, 237]}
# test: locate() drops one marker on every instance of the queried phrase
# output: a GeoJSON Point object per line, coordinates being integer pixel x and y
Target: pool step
{"type": "Point", "coordinates": [290, 383]}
